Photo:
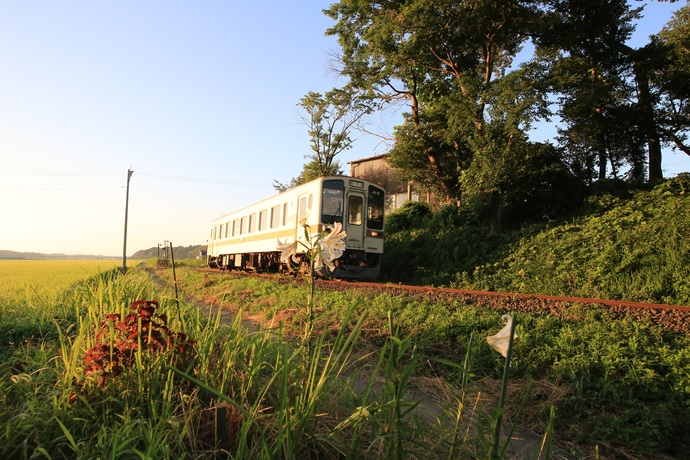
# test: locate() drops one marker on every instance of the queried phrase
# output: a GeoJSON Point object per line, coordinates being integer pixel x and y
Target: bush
{"type": "Point", "coordinates": [628, 249]}
{"type": "Point", "coordinates": [412, 214]}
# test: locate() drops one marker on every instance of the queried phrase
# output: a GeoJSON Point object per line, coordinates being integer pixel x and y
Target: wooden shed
{"type": "Point", "coordinates": [376, 169]}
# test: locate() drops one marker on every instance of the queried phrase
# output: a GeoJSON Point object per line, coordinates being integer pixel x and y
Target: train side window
{"type": "Point", "coordinates": [355, 205]}
{"type": "Point", "coordinates": [311, 201]}
{"type": "Point", "coordinates": [263, 220]}
{"type": "Point", "coordinates": [227, 228]}
{"type": "Point", "coordinates": [252, 223]}
{"type": "Point", "coordinates": [235, 227]}
{"type": "Point", "coordinates": [375, 208]}
{"type": "Point", "coordinates": [285, 213]}
{"type": "Point", "coordinates": [275, 216]}
{"type": "Point", "coordinates": [243, 225]}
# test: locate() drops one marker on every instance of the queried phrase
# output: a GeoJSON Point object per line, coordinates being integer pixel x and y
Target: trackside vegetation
{"type": "Point", "coordinates": [624, 242]}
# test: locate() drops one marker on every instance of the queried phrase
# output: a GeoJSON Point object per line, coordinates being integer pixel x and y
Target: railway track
{"type": "Point", "coordinates": [673, 317]}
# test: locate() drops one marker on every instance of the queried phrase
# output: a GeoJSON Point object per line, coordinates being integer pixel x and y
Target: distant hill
{"type": "Point", "coordinates": [15, 255]}
{"type": "Point", "coordinates": [180, 252]}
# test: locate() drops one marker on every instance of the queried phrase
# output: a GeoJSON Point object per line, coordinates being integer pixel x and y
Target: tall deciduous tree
{"type": "Point", "coordinates": [330, 119]}
{"type": "Point", "coordinates": [441, 57]}
{"type": "Point", "coordinates": [671, 81]}
{"type": "Point", "coordinates": [643, 63]}
{"type": "Point", "coordinates": [586, 42]}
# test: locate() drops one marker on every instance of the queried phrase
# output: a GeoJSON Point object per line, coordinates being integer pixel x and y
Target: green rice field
{"type": "Point", "coordinates": [33, 279]}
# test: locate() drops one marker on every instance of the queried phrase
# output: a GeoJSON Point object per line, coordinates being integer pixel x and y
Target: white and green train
{"type": "Point", "coordinates": [248, 239]}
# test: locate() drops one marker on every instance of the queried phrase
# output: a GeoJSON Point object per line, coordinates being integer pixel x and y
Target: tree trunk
{"type": "Point", "coordinates": [496, 209]}
{"type": "Point", "coordinates": [601, 143]}
{"type": "Point", "coordinates": [648, 120]}
{"type": "Point", "coordinates": [433, 162]}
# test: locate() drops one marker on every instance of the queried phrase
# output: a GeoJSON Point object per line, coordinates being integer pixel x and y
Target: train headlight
{"type": "Point", "coordinates": [374, 234]}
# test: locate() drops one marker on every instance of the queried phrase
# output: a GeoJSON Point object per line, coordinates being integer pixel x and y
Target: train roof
{"type": "Point", "coordinates": [306, 185]}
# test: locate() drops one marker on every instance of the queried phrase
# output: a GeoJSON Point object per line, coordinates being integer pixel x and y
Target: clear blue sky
{"type": "Point", "coordinates": [199, 99]}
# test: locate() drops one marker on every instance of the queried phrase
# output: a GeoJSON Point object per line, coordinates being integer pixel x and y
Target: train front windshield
{"type": "Point", "coordinates": [332, 201]}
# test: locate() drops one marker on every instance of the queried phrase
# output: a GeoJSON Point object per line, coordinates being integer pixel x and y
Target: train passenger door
{"type": "Point", "coordinates": [354, 224]}
{"type": "Point", "coordinates": [304, 203]}
{"type": "Point", "coordinates": [211, 250]}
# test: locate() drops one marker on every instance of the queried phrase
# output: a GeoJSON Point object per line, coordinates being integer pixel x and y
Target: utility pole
{"type": "Point", "coordinates": [124, 246]}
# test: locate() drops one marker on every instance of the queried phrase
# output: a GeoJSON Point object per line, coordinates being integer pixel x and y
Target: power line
{"type": "Point", "coordinates": [103, 173]}
{"type": "Point", "coordinates": [177, 192]}
{"type": "Point", "coordinates": [52, 189]}
{"type": "Point", "coordinates": [211, 181]}
{"type": "Point", "coordinates": [57, 173]}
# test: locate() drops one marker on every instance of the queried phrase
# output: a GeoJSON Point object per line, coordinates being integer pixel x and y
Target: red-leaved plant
{"type": "Point", "coordinates": [118, 340]}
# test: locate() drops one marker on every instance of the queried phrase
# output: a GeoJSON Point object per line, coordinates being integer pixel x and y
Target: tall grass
{"type": "Point", "coordinates": [262, 394]}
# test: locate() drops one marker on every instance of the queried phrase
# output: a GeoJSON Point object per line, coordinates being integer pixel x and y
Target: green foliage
{"type": "Point", "coordinates": [631, 244]}
{"type": "Point", "coordinates": [449, 61]}
{"type": "Point", "coordinates": [670, 51]}
{"type": "Point", "coordinates": [424, 247]}
{"type": "Point", "coordinates": [244, 395]}
{"type": "Point", "coordinates": [638, 250]}
{"type": "Point", "coordinates": [411, 215]}
{"type": "Point", "coordinates": [627, 385]}
{"type": "Point", "coordinates": [329, 118]}
{"type": "Point", "coordinates": [622, 381]}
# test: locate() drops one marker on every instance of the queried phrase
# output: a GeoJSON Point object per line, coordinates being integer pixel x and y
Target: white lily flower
{"type": "Point", "coordinates": [334, 242]}
{"type": "Point", "coordinates": [324, 247]}
{"type": "Point", "coordinates": [500, 341]}
{"type": "Point", "coordinates": [321, 258]}
{"type": "Point", "coordinates": [287, 250]}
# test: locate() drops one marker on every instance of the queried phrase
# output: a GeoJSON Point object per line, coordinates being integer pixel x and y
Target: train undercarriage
{"type": "Point", "coordinates": [352, 264]}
